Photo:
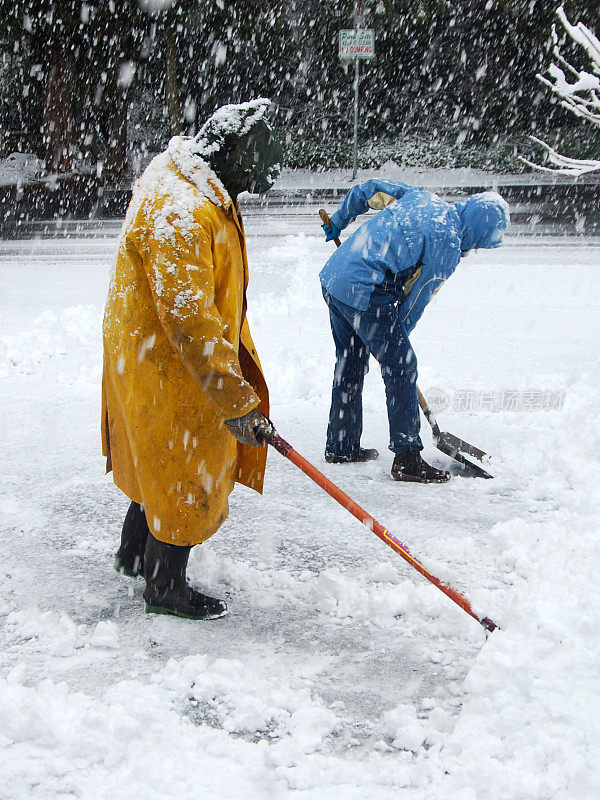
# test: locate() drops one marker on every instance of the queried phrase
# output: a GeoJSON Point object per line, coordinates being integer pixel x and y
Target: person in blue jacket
{"type": "Point", "coordinates": [377, 285]}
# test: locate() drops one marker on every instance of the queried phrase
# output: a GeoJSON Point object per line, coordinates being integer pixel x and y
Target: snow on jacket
{"type": "Point", "coordinates": [417, 236]}
{"type": "Point", "coordinates": [178, 356]}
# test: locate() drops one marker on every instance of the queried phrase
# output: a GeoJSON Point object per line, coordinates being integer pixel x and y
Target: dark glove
{"type": "Point", "coordinates": [249, 428]}
{"type": "Point", "coordinates": [331, 232]}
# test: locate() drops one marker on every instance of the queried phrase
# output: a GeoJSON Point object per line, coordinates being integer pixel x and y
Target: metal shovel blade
{"type": "Point", "coordinates": [460, 446]}
{"type": "Point", "coordinates": [451, 445]}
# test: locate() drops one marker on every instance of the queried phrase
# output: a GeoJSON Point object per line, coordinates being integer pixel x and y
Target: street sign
{"type": "Point", "coordinates": [357, 43]}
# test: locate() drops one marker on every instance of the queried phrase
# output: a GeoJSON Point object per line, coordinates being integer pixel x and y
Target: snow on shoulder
{"type": "Point", "coordinates": [167, 201]}
{"type": "Point", "coordinates": [171, 201]}
{"type": "Point", "coordinates": [183, 151]}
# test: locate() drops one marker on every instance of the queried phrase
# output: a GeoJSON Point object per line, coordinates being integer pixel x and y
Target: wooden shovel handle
{"type": "Point", "coordinates": [326, 221]}
{"type": "Point", "coordinates": [428, 413]}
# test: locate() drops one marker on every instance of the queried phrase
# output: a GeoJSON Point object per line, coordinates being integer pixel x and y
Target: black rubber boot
{"type": "Point", "coordinates": [362, 455]}
{"type": "Point", "coordinates": [129, 559]}
{"type": "Point", "coordinates": [167, 591]}
{"type": "Point", "coordinates": [411, 467]}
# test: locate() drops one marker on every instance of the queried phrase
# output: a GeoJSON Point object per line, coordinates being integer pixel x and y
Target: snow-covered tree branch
{"type": "Point", "coordinates": [578, 91]}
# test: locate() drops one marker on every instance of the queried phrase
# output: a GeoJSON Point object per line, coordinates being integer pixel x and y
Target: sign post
{"type": "Point", "coordinates": [356, 44]}
{"type": "Point", "coordinates": [355, 144]}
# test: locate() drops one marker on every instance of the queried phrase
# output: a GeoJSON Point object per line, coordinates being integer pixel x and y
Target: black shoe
{"type": "Point", "coordinates": [129, 559]}
{"type": "Point", "coordinates": [362, 455]}
{"type": "Point", "coordinates": [167, 591]}
{"type": "Point", "coordinates": [411, 467]}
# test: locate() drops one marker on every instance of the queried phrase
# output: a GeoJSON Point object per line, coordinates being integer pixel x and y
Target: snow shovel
{"type": "Point", "coordinates": [271, 437]}
{"type": "Point", "coordinates": [446, 442]}
{"type": "Point", "coordinates": [453, 446]}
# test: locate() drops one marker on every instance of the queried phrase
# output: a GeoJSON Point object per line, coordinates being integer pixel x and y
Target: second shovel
{"type": "Point", "coordinates": [453, 446]}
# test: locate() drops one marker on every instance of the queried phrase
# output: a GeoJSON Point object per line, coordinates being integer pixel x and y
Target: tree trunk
{"type": "Point", "coordinates": [58, 127]}
{"type": "Point", "coordinates": [171, 81]}
{"type": "Point", "coordinates": [115, 166]}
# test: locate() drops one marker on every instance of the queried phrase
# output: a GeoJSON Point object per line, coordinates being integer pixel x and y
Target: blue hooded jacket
{"type": "Point", "coordinates": [417, 235]}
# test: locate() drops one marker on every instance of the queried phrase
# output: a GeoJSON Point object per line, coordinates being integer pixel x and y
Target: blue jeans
{"type": "Point", "coordinates": [380, 332]}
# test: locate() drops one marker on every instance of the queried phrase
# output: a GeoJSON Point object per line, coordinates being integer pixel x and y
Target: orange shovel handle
{"type": "Point", "coordinates": [286, 449]}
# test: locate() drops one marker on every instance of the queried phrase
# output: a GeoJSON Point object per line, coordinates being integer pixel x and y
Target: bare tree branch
{"type": "Point", "coordinates": [579, 96]}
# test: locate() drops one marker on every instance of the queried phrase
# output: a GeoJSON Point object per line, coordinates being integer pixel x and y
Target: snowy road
{"type": "Point", "coordinates": [337, 671]}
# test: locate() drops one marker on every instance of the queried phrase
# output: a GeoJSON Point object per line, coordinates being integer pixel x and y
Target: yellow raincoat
{"type": "Point", "coordinates": [178, 356]}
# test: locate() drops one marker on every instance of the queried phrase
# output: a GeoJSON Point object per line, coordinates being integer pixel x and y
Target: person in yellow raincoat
{"type": "Point", "coordinates": [183, 395]}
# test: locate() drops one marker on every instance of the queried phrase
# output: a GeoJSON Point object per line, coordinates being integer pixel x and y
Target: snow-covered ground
{"type": "Point", "coordinates": [340, 672]}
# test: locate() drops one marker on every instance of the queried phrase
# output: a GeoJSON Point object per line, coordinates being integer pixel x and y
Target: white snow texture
{"type": "Point", "coordinates": [340, 672]}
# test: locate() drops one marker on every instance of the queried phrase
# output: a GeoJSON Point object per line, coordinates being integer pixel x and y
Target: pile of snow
{"type": "Point", "coordinates": [47, 346]}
